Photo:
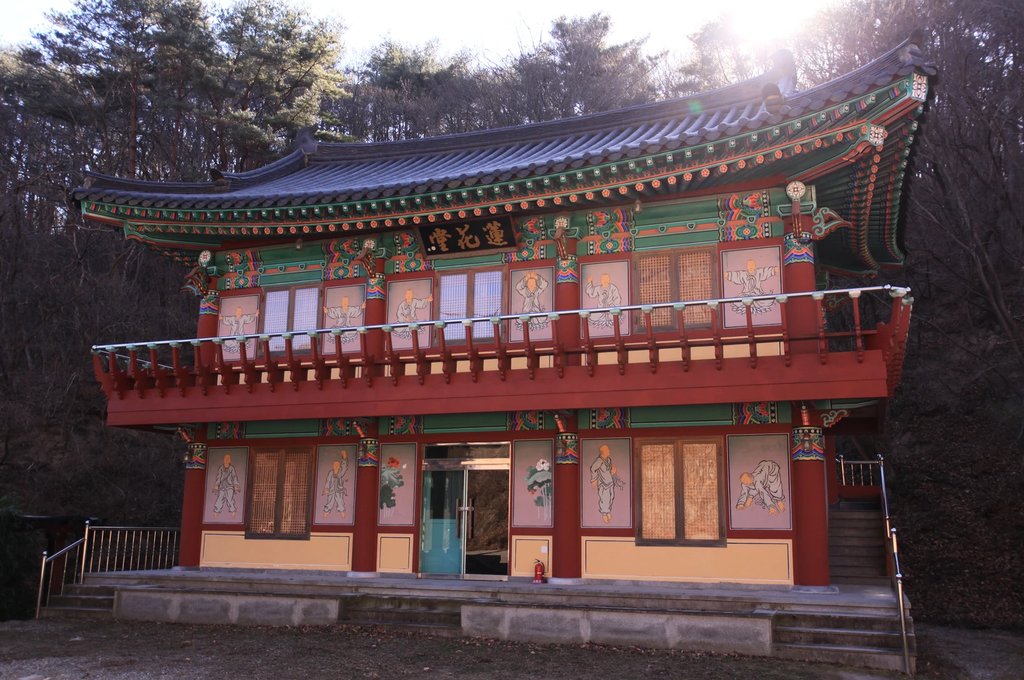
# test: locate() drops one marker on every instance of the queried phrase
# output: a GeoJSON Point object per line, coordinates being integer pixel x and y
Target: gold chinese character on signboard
{"type": "Point", "coordinates": [440, 238]}
{"type": "Point", "coordinates": [467, 241]}
{"type": "Point", "coordinates": [494, 235]}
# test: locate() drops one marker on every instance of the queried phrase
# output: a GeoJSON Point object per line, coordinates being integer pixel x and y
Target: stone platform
{"type": "Point", "coordinates": [851, 624]}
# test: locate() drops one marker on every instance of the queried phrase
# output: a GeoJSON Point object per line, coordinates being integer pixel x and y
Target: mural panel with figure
{"type": "Point", "coordinates": [606, 471]}
{"type": "Point", "coordinates": [225, 485]}
{"type": "Point", "coordinates": [605, 284]}
{"type": "Point", "coordinates": [749, 272]}
{"type": "Point", "coordinates": [410, 301]}
{"type": "Point", "coordinates": [532, 483]}
{"type": "Point", "coordinates": [396, 500]}
{"type": "Point", "coordinates": [239, 315]}
{"type": "Point", "coordinates": [344, 307]}
{"type": "Point", "coordinates": [530, 293]}
{"type": "Point", "coordinates": [759, 482]}
{"type": "Point", "coordinates": [336, 482]}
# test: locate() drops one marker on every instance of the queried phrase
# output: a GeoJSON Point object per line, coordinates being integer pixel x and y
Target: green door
{"type": "Point", "coordinates": [441, 531]}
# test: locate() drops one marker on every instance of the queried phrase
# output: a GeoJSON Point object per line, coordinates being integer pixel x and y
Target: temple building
{"type": "Point", "coordinates": [613, 349]}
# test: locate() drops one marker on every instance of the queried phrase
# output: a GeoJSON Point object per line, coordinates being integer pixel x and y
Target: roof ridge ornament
{"type": "Point", "coordinates": [305, 140]}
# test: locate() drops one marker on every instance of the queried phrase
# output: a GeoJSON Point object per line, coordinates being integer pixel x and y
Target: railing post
{"type": "Point", "coordinates": [899, 594]}
{"type": "Point", "coordinates": [842, 469]}
{"type": "Point", "coordinates": [85, 551]}
{"type": "Point", "coordinates": [42, 578]}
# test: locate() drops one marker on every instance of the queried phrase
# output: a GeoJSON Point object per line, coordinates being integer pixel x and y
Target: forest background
{"type": "Point", "coordinates": [168, 89]}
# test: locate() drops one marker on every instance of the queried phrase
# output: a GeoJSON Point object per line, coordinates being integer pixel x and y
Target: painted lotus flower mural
{"type": "Point", "coordinates": [538, 483]}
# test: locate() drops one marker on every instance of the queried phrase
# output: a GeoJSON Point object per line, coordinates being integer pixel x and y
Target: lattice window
{"type": "Point", "coordinates": [487, 297]}
{"type": "Point", "coordinates": [680, 492]}
{"type": "Point", "coordinates": [695, 277]}
{"type": "Point", "coordinates": [454, 303]}
{"type": "Point", "coordinates": [263, 500]}
{"type": "Point", "coordinates": [468, 295]}
{"type": "Point", "coordinates": [700, 492]}
{"type": "Point", "coordinates": [674, 276]}
{"type": "Point", "coordinates": [292, 309]}
{"type": "Point", "coordinates": [654, 285]}
{"type": "Point", "coordinates": [658, 500]}
{"type": "Point", "coordinates": [306, 315]}
{"type": "Point", "coordinates": [280, 503]}
{"type": "Point", "coordinates": [276, 317]}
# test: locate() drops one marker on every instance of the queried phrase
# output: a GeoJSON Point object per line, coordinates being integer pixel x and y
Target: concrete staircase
{"type": "Point", "coordinates": [856, 547]}
{"type": "Point", "coordinates": [872, 641]}
{"type": "Point", "coordinates": [431, 615]}
{"type": "Point", "coordinates": [81, 602]}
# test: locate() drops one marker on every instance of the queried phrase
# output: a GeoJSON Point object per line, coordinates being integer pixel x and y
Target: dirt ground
{"type": "Point", "coordinates": [115, 649]}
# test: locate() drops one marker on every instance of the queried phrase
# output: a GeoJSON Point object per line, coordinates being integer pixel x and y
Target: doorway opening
{"type": "Point", "coordinates": [465, 513]}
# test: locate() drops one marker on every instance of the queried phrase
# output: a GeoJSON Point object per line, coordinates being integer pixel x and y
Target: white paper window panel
{"type": "Point", "coordinates": [487, 296]}
{"type": "Point", "coordinates": [453, 304]}
{"type": "Point", "coordinates": [276, 319]}
{"type": "Point", "coordinates": [306, 316]}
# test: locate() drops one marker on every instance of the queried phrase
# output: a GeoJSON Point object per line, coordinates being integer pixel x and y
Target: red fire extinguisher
{"type": "Point", "coordinates": [538, 572]}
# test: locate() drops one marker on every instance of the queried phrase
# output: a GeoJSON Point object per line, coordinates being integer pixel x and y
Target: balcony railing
{"type": "Point", "coordinates": [317, 357]}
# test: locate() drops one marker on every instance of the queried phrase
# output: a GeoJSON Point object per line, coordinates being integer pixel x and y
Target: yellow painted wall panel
{"type": "Point", "coordinates": [321, 551]}
{"type": "Point", "coordinates": [740, 561]}
{"type": "Point", "coordinates": [394, 553]}
{"type": "Point", "coordinates": [526, 550]}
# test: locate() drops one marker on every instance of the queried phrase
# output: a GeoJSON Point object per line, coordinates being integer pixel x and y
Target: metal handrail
{"type": "Point", "coordinates": [145, 548]}
{"type": "Point", "coordinates": [42, 571]}
{"type": "Point", "coordinates": [894, 291]}
{"type": "Point", "coordinates": [897, 575]}
{"type": "Point", "coordinates": [842, 463]}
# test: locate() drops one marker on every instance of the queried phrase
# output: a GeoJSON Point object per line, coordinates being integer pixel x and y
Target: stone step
{"type": "Point", "coordinates": [75, 613]}
{"type": "Point", "coordinates": [840, 637]}
{"type": "Point", "coordinates": [87, 601]}
{"type": "Point", "coordinates": [856, 570]}
{"type": "Point", "coordinates": [845, 528]}
{"type": "Point", "coordinates": [847, 537]}
{"type": "Point", "coordinates": [860, 580]}
{"type": "Point", "coordinates": [856, 514]}
{"type": "Point", "coordinates": [402, 602]}
{"type": "Point", "coordinates": [873, 551]}
{"type": "Point", "coordinates": [889, 624]}
{"type": "Point", "coordinates": [426, 628]}
{"type": "Point", "coordinates": [871, 561]}
{"type": "Point", "coordinates": [89, 589]}
{"type": "Point", "coordinates": [437, 617]}
{"type": "Point", "coordinates": [869, 657]}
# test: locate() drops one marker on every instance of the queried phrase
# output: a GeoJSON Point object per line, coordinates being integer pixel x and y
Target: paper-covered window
{"type": "Point", "coordinates": [467, 295]}
{"type": "Point", "coordinates": [680, 492]}
{"type": "Point", "coordinates": [294, 310]}
{"type": "Point", "coordinates": [280, 497]}
{"type": "Point", "coordinates": [673, 276]}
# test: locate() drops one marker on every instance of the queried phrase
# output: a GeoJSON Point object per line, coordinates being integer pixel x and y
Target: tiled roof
{"type": "Point", "coordinates": [325, 173]}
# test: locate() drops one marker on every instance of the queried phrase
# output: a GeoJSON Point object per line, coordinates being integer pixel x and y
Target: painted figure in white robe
{"type": "Point", "coordinates": [345, 316]}
{"type": "Point", "coordinates": [407, 312]}
{"type": "Point", "coordinates": [334, 488]}
{"type": "Point", "coordinates": [226, 487]}
{"type": "Point", "coordinates": [237, 324]}
{"type": "Point", "coordinates": [602, 478]}
{"type": "Point", "coordinates": [531, 288]}
{"type": "Point", "coordinates": [607, 295]}
{"type": "Point", "coordinates": [751, 281]}
{"type": "Point", "coordinates": [762, 487]}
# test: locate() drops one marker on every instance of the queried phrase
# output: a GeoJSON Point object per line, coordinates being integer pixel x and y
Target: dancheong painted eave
{"type": "Point", "coordinates": [851, 137]}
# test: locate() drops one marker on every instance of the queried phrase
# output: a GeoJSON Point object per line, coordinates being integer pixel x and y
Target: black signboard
{"type": "Point", "coordinates": [490, 234]}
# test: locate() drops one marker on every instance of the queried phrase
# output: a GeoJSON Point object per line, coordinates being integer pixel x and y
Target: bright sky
{"type": "Point", "coordinates": [493, 31]}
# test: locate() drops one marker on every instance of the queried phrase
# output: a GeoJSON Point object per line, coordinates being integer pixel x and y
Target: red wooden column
{"type": "Point", "coordinates": [364, 541]}
{"type": "Point", "coordinates": [565, 549]}
{"type": "Point", "coordinates": [810, 496]}
{"type": "Point", "coordinates": [810, 505]}
{"type": "Point", "coordinates": [209, 320]}
{"type": "Point", "coordinates": [190, 544]}
{"type": "Point", "coordinates": [803, 313]}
